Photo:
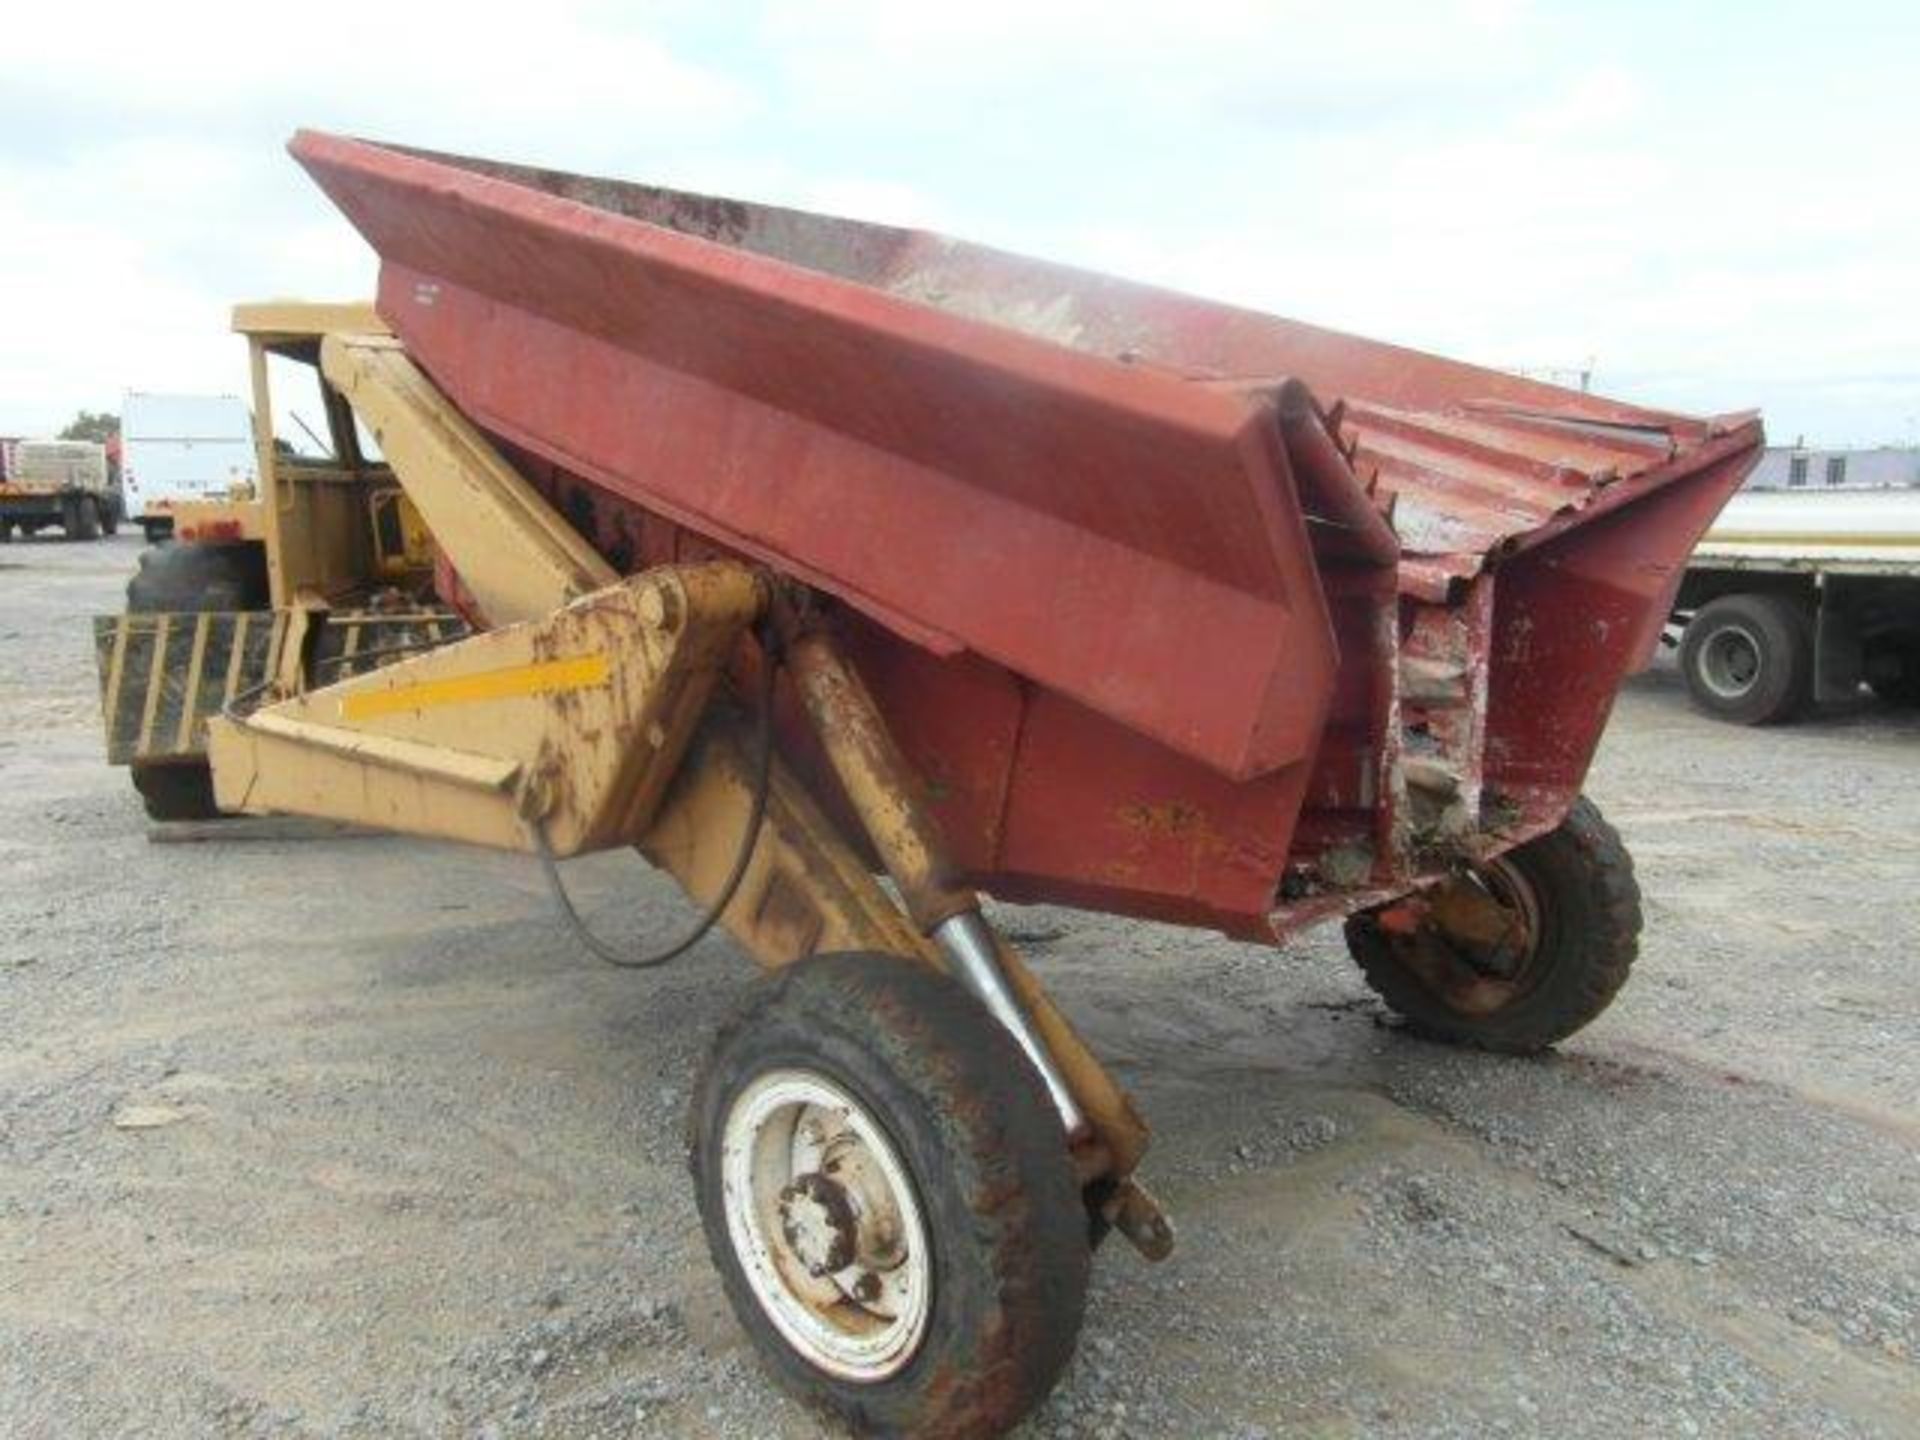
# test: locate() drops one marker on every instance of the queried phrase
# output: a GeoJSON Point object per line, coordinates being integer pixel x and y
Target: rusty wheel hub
{"type": "Point", "coordinates": [825, 1220]}
{"type": "Point", "coordinates": [817, 1221]}
{"type": "Point", "coordinates": [1473, 938]}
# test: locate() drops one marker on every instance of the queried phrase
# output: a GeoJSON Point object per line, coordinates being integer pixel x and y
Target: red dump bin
{"type": "Point", "coordinates": [1177, 610]}
{"type": "Point", "coordinates": [1182, 610]}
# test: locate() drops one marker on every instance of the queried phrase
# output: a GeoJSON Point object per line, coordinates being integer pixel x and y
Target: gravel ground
{"type": "Point", "coordinates": [344, 1137]}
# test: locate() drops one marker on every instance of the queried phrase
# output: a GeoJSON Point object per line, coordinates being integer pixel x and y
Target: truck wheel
{"type": "Point", "coordinates": [1749, 658]}
{"type": "Point", "coordinates": [175, 790]}
{"type": "Point", "coordinates": [80, 517]}
{"type": "Point", "coordinates": [887, 1195]}
{"type": "Point", "coordinates": [1517, 953]}
{"type": "Point", "coordinates": [110, 518]}
{"type": "Point", "coordinates": [1894, 676]}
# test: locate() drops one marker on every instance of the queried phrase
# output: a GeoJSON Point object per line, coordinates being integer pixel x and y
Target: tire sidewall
{"type": "Point", "coordinates": [80, 517]}
{"type": "Point", "coordinates": [192, 578]}
{"type": "Point", "coordinates": [1589, 924]}
{"type": "Point", "coordinates": [974, 1328]}
{"type": "Point", "coordinates": [1569, 916]}
{"type": "Point", "coordinates": [175, 790]}
{"type": "Point", "coordinates": [1898, 679]}
{"type": "Point", "coordinates": [1781, 635]}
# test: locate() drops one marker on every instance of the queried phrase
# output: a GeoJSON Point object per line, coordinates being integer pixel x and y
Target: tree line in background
{"type": "Point", "coordinates": [99, 426]}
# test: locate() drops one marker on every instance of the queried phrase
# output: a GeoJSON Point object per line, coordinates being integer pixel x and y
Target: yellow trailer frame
{"type": "Point", "coordinates": [573, 725]}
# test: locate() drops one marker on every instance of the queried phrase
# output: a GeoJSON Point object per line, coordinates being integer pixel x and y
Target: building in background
{"type": "Point", "coordinates": [1796, 467]}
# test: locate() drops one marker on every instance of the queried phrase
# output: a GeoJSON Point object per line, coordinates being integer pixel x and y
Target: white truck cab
{"type": "Point", "coordinates": [182, 447]}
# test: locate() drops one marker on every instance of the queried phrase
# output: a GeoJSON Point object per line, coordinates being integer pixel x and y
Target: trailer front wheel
{"type": "Point", "coordinates": [887, 1194]}
{"type": "Point", "coordinates": [1516, 953]}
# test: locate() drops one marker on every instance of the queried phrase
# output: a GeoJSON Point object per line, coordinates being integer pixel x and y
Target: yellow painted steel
{"type": "Point", "coordinates": [237, 517]}
{"type": "Point", "coordinates": [1811, 540]}
{"type": "Point", "coordinates": [516, 555]}
{"type": "Point", "coordinates": [577, 721]}
{"type": "Point", "coordinates": [183, 732]}
{"type": "Point", "coordinates": [880, 786]}
{"type": "Point", "coordinates": [804, 891]}
{"type": "Point", "coordinates": [545, 677]}
{"type": "Point", "coordinates": [585, 711]}
{"type": "Point", "coordinates": [306, 319]}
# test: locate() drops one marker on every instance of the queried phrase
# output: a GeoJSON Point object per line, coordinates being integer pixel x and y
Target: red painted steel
{"type": "Point", "coordinates": [1131, 573]}
{"type": "Point", "coordinates": [1094, 526]}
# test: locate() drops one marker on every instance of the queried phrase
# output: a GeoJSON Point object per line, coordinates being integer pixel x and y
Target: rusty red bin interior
{"type": "Point", "coordinates": [1183, 611]}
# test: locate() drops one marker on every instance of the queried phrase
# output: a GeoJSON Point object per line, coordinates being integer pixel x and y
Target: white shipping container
{"type": "Point", "coordinates": [182, 447]}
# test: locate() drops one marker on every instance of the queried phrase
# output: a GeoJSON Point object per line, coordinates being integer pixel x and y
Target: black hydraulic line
{"type": "Point", "coordinates": [743, 857]}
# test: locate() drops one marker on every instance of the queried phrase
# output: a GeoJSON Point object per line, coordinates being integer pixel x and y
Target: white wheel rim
{"type": "Point", "coordinates": [809, 1178]}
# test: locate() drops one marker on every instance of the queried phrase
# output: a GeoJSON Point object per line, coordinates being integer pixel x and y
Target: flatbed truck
{"type": "Point", "coordinates": [63, 483]}
{"type": "Point", "coordinates": [1799, 598]}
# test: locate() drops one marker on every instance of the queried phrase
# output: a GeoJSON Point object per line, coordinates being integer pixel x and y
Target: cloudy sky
{"type": "Point", "coordinates": [1713, 204]}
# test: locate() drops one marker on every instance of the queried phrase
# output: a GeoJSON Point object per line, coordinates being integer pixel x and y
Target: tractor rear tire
{"type": "Point", "coordinates": [175, 789]}
{"type": "Point", "coordinates": [80, 517]}
{"type": "Point", "coordinates": [191, 578]}
{"type": "Point", "coordinates": [1749, 659]}
{"type": "Point", "coordinates": [943, 1302]}
{"type": "Point", "coordinates": [1575, 887]}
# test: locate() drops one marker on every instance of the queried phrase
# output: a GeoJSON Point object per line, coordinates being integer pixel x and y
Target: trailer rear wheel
{"type": "Point", "coordinates": [1517, 953]}
{"type": "Point", "coordinates": [887, 1194]}
{"type": "Point", "coordinates": [1749, 658]}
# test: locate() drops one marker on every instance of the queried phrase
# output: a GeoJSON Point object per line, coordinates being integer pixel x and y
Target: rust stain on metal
{"type": "Point", "coordinates": [876, 778]}
{"type": "Point", "coordinates": [1170, 818]}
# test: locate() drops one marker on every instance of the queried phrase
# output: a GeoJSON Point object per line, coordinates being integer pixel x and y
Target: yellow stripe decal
{"type": "Point", "coordinates": [582, 672]}
{"type": "Point", "coordinates": [1810, 538]}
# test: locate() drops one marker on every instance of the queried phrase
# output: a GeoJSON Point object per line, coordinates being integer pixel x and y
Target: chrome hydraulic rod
{"type": "Point", "coordinates": [884, 794]}
{"type": "Point", "coordinates": [968, 943]}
